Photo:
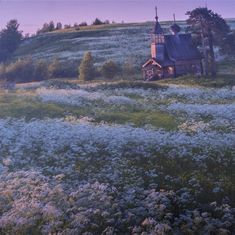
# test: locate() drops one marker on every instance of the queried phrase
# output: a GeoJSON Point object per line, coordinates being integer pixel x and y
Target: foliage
{"type": "Point", "coordinates": [50, 27]}
{"type": "Point", "coordinates": [20, 71]}
{"type": "Point", "coordinates": [25, 70]}
{"type": "Point", "coordinates": [110, 69]}
{"type": "Point", "coordinates": [63, 69]}
{"type": "Point", "coordinates": [10, 39]}
{"type": "Point", "coordinates": [210, 28]}
{"type": "Point", "coordinates": [76, 26]}
{"type": "Point", "coordinates": [97, 22]}
{"type": "Point", "coordinates": [41, 71]}
{"type": "Point", "coordinates": [54, 68]}
{"type": "Point", "coordinates": [59, 26]}
{"type": "Point", "coordinates": [67, 26]}
{"type": "Point", "coordinates": [82, 24]}
{"type": "Point", "coordinates": [86, 68]}
{"type": "Point", "coordinates": [228, 44]}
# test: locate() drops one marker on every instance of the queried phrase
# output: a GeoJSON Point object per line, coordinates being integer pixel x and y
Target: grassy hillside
{"type": "Point", "coordinates": [118, 42]}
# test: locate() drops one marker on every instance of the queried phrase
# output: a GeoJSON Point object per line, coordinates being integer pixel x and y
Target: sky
{"type": "Point", "coordinates": [31, 14]}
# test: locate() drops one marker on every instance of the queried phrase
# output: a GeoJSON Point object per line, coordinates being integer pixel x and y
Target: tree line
{"type": "Point", "coordinates": [208, 28]}
{"type": "Point", "coordinates": [51, 26]}
{"type": "Point", "coordinates": [29, 70]}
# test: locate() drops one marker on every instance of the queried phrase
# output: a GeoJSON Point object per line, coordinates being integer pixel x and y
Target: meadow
{"type": "Point", "coordinates": [118, 42]}
{"type": "Point", "coordinates": [117, 158]}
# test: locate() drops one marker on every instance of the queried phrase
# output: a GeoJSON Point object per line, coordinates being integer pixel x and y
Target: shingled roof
{"type": "Point", "coordinates": [180, 47]}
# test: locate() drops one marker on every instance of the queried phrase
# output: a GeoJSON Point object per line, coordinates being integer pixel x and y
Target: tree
{"type": "Point", "coordinates": [10, 39]}
{"type": "Point", "coordinates": [51, 26]}
{"type": "Point", "coordinates": [59, 26]}
{"type": "Point", "coordinates": [86, 68]}
{"type": "Point", "coordinates": [83, 24]}
{"type": "Point", "coordinates": [110, 69]}
{"type": "Point", "coordinates": [97, 22]}
{"type": "Point", "coordinates": [67, 26]}
{"type": "Point", "coordinates": [210, 29]}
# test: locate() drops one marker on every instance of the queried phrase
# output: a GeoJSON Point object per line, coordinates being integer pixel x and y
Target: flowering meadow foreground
{"type": "Point", "coordinates": [117, 159]}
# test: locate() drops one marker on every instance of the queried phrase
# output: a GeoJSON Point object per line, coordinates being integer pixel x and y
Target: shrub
{"type": "Point", "coordinates": [58, 69]}
{"type": "Point", "coordinates": [110, 69]}
{"type": "Point", "coordinates": [41, 71]}
{"type": "Point", "coordinates": [67, 26]}
{"type": "Point", "coordinates": [86, 68]}
{"type": "Point", "coordinates": [83, 24]}
{"type": "Point", "coordinates": [2, 71]}
{"type": "Point", "coordinates": [25, 70]}
{"type": "Point", "coordinates": [76, 26]}
{"type": "Point", "coordinates": [54, 68]}
{"type": "Point", "coordinates": [97, 22]}
{"type": "Point", "coordinates": [20, 71]}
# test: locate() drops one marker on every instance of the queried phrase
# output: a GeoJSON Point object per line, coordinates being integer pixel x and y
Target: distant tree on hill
{"type": "Point", "coordinates": [59, 26]}
{"type": "Point", "coordinates": [51, 26]}
{"type": "Point", "coordinates": [209, 28]}
{"type": "Point", "coordinates": [86, 68]}
{"type": "Point", "coordinates": [67, 26]}
{"type": "Point", "coordinates": [83, 24]}
{"type": "Point", "coordinates": [97, 22]}
{"type": "Point", "coordinates": [76, 26]}
{"type": "Point", "coordinates": [10, 39]}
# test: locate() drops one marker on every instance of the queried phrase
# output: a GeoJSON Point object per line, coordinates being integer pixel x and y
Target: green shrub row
{"type": "Point", "coordinates": [29, 70]}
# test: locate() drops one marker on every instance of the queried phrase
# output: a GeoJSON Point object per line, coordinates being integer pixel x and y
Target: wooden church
{"type": "Point", "coordinates": [172, 54]}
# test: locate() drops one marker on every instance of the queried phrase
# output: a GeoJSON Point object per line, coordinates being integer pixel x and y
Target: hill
{"type": "Point", "coordinates": [118, 42]}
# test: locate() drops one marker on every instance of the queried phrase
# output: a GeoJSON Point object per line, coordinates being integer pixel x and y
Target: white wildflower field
{"type": "Point", "coordinates": [117, 158]}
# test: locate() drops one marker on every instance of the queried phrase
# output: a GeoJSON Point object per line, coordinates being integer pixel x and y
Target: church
{"type": "Point", "coordinates": [172, 54]}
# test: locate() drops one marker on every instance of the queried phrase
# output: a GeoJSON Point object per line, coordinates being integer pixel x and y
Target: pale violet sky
{"type": "Point", "coordinates": [31, 14]}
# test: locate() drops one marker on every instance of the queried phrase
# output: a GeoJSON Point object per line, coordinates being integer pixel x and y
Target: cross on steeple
{"type": "Point", "coordinates": [156, 14]}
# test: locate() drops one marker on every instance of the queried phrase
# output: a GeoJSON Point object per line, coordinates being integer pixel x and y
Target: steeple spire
{"type": "Point", "coordinates": [156, 17]}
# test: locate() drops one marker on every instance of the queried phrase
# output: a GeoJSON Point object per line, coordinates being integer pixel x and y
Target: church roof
{"type": "Point", "coordinates": [180, 47]}
{"type": "Point", "coordinates": [157, 28]}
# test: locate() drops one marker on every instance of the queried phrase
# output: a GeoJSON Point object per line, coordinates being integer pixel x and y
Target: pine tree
{"type": "Point", "coordinates": [10, 39]}
{"type": "Point", "coordinates": [86, 68]}
{"type": "Point", "coordinates": [210, 29]}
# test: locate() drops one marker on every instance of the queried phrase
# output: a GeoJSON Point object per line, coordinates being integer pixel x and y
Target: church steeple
{"type": "Point", "coordinates": [157, 39]}
{"type": "Point", "coordinates": [157, 28]}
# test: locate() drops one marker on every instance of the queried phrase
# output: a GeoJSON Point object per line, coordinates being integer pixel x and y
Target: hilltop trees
{"type": "Point", "coordinates": [10, 39]}
{"type": "Point", "coordinates": [86, 68]}
{"type": "Point", "coordinates": [210, 29]}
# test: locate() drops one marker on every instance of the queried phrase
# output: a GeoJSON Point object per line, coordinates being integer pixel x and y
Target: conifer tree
{"type": "Point", "coordinates": [86, 68]}
{"type": "Point", "coordinates": [210, 29]}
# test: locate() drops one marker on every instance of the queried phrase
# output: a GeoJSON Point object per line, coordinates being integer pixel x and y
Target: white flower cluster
{"type": "Point", "coordinates": [75, 176]}
{"type": "Point", "coordinates": [80, 97]}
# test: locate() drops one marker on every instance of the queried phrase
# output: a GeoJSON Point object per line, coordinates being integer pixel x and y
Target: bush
{"type": "Point", "coordinates": [83, 24]}
{"type": "Point", "coordinates": [67, 26]}
{"type": "Point", "coordinates": [110, 69]}
{"type": "Point", "coordinates": [54, 68]}
{"type": "Point", "coordinates": [20, 71]}
{"type": "Point", "coordinates": [25, 70]}
{"type": "Point", "coordinates": [97, 22]}
{"type": "Point", "coordinates": [76, 26]}
{"type": "Point", "coordinates": [86, 68]}
{"type": "Point", "coordinates": [58, 69]}
{"type": "Point", "coordinates": [41, 71]}
{"type": "Point", "coordinates": [2, 71]}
